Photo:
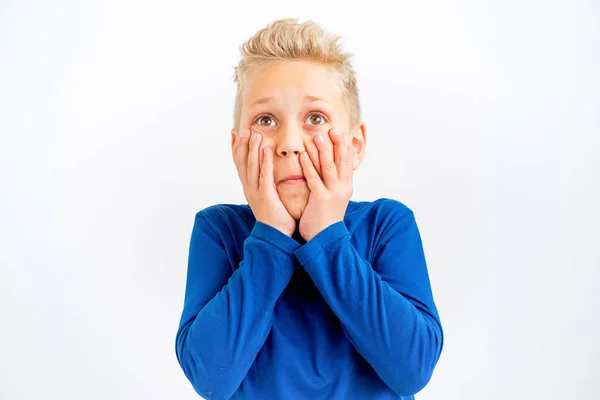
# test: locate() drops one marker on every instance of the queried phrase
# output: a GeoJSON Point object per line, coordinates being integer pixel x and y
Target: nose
{"type": "Point", "coordinates": [289, 141]}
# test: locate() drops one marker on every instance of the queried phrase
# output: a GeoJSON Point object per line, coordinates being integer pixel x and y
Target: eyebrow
{"type": "Point", "coordinates": [265, 100]}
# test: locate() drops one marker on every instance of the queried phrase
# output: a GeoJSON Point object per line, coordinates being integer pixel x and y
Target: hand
{"type": "Point", "coordinates": [329, 196]}
{"type": "Point", "coordinates": [259, 184]}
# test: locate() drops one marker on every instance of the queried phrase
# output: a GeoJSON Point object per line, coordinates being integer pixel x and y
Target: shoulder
{"type": "Point", "coordinates": [223, 209]}
{"type": "Point", "coordinates": [378, 221]}
{"type": "Point", "coordinates": [382, 210]}
{"type": "Point", "coordinates": [225, 215]}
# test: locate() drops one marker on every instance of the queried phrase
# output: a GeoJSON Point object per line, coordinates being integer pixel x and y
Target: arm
{"type": "Point", "coordinates": [386, 309]}
{"type": "Point", "coordinates": [227, 317]}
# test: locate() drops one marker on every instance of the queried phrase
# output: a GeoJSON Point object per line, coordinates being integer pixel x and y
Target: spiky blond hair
{"type": "Point", "coordinates": [288, 40]}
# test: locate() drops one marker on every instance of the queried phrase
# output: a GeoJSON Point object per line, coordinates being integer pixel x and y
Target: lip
{"type": "Point", "coordinates": [293, 180]}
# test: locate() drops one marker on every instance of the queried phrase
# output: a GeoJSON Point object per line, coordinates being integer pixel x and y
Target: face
{"type": "Point", "coordinates": [290, 104]}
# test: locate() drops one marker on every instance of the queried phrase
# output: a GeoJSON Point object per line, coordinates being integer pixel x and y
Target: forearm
{"type": "Point", "coordinates": [217, 346]}
{"type": "Point", "coordinates": [400, 337]}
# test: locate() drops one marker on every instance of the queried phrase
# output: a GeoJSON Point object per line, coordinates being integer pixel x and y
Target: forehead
{"type": "Point", "coordinates": [293, 81]}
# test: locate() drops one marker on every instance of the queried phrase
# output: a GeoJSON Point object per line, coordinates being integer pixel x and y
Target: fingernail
{"type": "Point", "coordinates": [255, 136]}
{"type": "Point", "coordinates": [319, 139]}
{"type": "Point", "coordinates": [305, 155]}
{"type": "Point", "coordinates": [336, 132]}
{"type": "Point", "coordinates": [243, 133]}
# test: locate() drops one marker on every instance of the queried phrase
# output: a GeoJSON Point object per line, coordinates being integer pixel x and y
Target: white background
{"type": "Point", "coordinates": [483, 117]}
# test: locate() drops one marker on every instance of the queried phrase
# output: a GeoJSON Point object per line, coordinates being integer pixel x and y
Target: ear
{"type": "Point", "coordinates": [233, 142]}
{"type": "Point", "coordinates": [359, 143]}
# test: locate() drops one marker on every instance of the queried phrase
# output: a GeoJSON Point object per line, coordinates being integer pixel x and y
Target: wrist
{"type": "Point", "coordinates": [274, 236]}
{"type": "Point", "coordinates": [288, 231]}
{"type": "Point", "coordinates": [313, 231]}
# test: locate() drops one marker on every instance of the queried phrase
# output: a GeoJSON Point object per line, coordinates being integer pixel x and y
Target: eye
{"type": "Point", "coordinates": [316, 119]}
{"type": "Point", "coordinates": [264, 120]}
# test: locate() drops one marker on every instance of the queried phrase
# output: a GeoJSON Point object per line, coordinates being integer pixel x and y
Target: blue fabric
{"type": "Point", "coordinates": [348, 315]}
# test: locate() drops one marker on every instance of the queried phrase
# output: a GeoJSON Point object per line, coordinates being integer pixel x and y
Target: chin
{"type": "Point", "coordinates": [295, 205]}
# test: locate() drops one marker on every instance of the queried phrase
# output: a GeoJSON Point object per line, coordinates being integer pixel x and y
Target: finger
{"type": "Point", "coordinates": [253, 169]}
{"type": "Point", "coordinates": [314, 182]}
{"type": "Point", "coordinates": [241, 155]}
{"type": "Point", "coordinates": [266, 170]}
{"type": "Point", "coordinates": [313, 154]}
{"type": "Point", "coordinates": [328, 169]}
{"type": "Point", "coordinates": [341, 154]}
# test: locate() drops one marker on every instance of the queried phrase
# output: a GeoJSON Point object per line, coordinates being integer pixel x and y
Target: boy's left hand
{"type": "Point", "coordinates": [329, 197]}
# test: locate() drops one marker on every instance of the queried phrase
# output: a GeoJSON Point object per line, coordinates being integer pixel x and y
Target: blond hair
{"type": "Point", "coordinates": [287, 40]}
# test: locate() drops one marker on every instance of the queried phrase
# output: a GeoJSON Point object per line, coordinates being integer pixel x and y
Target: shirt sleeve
{"type": "Point", "coordinates": [386, 309]}
{"type": "Point", "coordinates": [227, 317]}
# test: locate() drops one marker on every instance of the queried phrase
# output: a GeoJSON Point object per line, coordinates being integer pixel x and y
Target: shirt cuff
{"type": "Point", "coordinates": [320, 243]}
{"type": "Point", "coordinates": [275, 237]}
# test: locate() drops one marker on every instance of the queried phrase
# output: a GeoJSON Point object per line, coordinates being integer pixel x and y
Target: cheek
{"type": "Point", "coordinates": [260, 129]}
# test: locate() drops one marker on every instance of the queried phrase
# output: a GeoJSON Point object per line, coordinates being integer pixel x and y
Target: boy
{"type": "Point", "coordinates": [303, 293]}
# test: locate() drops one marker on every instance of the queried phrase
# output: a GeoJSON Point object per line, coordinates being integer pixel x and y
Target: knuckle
{"type": "Point", "coordinates": [346, 191]}
{"type": "Point", "coordinates": [329, 167]}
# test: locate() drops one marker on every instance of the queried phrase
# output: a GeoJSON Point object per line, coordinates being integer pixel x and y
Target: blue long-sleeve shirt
{"type": "Point", "coordinates": [348, 315]}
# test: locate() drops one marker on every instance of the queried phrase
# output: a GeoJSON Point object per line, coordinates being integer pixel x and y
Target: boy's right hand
{"type": "Point", "coordinates": [259, 184]}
